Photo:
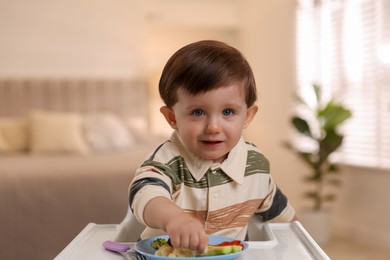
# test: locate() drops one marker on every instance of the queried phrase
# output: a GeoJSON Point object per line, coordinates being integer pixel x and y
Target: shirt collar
{"type": "Point", "coordinates": [234, 165]}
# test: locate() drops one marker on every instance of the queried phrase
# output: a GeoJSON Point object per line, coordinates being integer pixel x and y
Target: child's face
{"type": "Point", "coordinates": [210, 124]}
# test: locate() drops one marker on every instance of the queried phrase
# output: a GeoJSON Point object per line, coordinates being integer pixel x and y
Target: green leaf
{"type": "Point", "coordinates": [332, 115]}
{"type": "Point", "coordinates": [301, 125]}
{"type": "Point", "coordinates": [307, 158]}
{"type": "Point", "coordinates": [333, 168]}
{"type": "Point", "coordinates": [329, 144]}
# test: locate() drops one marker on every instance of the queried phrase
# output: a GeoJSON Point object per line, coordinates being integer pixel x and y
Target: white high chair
{"type": "Point", "coordinates": [130, 229]}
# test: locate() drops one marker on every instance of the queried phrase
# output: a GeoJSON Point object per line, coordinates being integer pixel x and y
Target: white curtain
{"type": "Point", "coordinates": [344, 45]}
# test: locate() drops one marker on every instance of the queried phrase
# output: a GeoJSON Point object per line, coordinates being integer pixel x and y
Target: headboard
{"type": "Point", "coordinates": [123, 97]}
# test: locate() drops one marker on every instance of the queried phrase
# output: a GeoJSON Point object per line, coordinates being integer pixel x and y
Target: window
{"type": "Point", "coordinates": [344, 45]}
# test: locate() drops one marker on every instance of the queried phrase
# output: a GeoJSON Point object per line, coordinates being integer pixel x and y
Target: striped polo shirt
{"type": "Point", "coordinates": [222, 196]}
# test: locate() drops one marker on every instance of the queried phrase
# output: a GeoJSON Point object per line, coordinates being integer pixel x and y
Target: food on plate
{"type": "Point", "coordinates": [163, 248]}
{"type": "Point", "coordinates": [159, 242]}
{"type": "Point", "coordinates": [221, 250]}
{"type": "Point", "coordinates": [167, 250]}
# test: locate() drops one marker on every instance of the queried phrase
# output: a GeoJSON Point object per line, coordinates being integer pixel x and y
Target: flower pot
{"type": "Point", "coordinates": [317, 223]}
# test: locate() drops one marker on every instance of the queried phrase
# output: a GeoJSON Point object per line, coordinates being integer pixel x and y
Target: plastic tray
{"type": "Point", "coordinates": [275, 241]}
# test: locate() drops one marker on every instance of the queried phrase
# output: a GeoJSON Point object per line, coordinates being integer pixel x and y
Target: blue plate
{"type": "Point", "coordinates": [144, 248]}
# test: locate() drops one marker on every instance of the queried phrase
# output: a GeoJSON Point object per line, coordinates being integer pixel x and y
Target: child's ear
{"type": "Point", "coordinates": [169, 116]}
{"type": "Point", "coordinates": [250, 114]}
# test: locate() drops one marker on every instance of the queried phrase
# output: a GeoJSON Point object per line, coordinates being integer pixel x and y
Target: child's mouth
{"type": "Point", "coordinates": [212, 142]}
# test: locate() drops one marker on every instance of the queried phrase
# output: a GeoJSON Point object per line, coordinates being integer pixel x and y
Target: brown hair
{"type": "Point", "coordinates": [203, 66]}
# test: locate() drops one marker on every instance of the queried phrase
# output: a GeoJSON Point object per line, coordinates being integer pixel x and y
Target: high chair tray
{"type": "Point", "coordinates": [291, 242]}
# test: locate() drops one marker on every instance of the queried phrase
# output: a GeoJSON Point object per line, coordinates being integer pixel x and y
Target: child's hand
{"type": "Point", "coordinates": [187, 232]}
{"type": "Point", "coordinates": [183, 229]}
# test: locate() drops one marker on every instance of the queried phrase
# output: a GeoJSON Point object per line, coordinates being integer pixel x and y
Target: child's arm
{"type": "Point", "coordinates": [183, 229]}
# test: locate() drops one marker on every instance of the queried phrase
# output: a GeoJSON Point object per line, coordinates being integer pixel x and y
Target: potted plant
{"type": "Point", "coordinates": [319, 124]}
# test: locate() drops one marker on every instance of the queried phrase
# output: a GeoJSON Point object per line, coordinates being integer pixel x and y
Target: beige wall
{"type": "Point", "coordinates": [70, 38]}
{"type": "Point", "coordinates": [103, 38]}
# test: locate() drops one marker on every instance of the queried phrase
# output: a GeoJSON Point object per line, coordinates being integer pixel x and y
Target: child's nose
{"type": "Point", "coordinates": [213, 126]}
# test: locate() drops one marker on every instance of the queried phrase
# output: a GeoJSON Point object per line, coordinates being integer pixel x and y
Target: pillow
{"type": "Point", "coordinates": [13, 135]}
{"type": "Point", "coordinates": [56, 132]}
{"type": "Point", "coordinates": [138, 127]}
{"type": "Point", "coordinates": [105, 132]}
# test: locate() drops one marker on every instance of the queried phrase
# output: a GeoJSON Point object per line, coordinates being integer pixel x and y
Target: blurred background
{"type": "Point", "coordinates": [134, 39]}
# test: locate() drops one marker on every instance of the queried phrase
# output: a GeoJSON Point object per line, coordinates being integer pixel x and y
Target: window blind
{"type": "Point", "coordinates": [344, 46]}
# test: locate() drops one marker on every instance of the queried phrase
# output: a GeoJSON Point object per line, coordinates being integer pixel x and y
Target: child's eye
{"type": "Point", "coordinates": [198, 112]}
{"type": "Point", "coordinates": [227, 112]}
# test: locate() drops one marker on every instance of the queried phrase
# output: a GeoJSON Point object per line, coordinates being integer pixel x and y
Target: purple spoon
{"type": "Point", "coordinates": [122, 249]}
{"type": "Point", "coordinates": [115, 246]}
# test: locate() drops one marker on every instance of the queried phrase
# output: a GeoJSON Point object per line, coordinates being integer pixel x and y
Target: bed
{"type": "Point", "coordinates": [68, 151]}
